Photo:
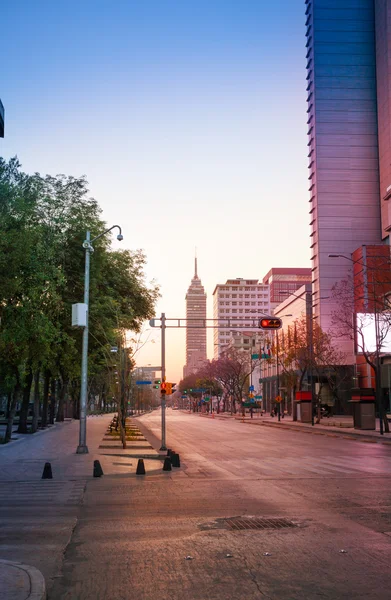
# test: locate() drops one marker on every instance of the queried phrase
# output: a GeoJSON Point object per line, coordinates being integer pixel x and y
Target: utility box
{"type": "Point", "coordinates": [304, 406]}
{"type": "Point", "coordinates": [79, 314]}
{"type": "Point", "coordinates": [364, 414]}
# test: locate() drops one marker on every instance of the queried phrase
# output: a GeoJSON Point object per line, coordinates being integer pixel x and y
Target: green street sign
{"type": "Point", "coordinates": [258, 397]}
{"type": "Point", "coordinates": [254, 356]}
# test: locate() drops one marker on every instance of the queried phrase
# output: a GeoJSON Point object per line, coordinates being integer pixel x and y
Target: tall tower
{"type": "Point", "coordinates": [195, 315]}
{"type": "Point", "coordinates": [342, 140]}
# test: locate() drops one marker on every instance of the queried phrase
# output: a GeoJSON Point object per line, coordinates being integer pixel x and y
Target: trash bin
{"type": "Point", "coordinates": [304, 406]}
{"type": "Point", "coordinates": [364, 411]}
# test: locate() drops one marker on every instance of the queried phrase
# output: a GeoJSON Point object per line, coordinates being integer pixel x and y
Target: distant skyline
{"type": "Point", "coordinates": [189, 122]}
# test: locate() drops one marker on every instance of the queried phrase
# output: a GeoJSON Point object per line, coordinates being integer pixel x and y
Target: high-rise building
{"type": "Point", "coordinates": [349, 118]}
{"type": "Point", "coordinates": [239, 302]}
{"type": "Point", "coordinates": [196, 325]}
{"type": "Point", "coordinates": [285, 281]}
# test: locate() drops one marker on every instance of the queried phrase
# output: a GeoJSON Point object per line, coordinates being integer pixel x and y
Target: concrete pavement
{"type": "Point", "coordinates": [38, 516]}
{"type": "Point", "coordinates": [167, 536]}
{"type": "Point", "coordinates": [21, 582]}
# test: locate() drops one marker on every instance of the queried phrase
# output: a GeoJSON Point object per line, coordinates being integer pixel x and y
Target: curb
{"type": "Point", "coordinates": [10, 573]}
{"type": "Point", "coordinates": [341, 434]}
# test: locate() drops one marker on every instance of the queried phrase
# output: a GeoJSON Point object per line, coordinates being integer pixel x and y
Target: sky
{"type": "Point", "coordinates": [188, 118]}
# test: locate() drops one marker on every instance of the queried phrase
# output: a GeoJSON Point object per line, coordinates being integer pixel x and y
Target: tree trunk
{"type": "Point", "coordinates": [9, 402]}
{"type": "Point", "coordinates": [34, 424]}
{"type": "Point", "coordinates": [25, 402]}
{"type": "Point", "coordinates": [52, 404]}
{"type": "Point", "coordinates": [16, 397]}
{"type": "Point", "coordinates": [61, 400]}
{"type": "Point", "coordinates": [46, 382]}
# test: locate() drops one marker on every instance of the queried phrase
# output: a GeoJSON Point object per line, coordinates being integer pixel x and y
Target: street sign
{"type": "Point", "coordinates": [143, 382]}
{"type": "Point", "coordinates": [198, 390]}
{"type": "Point", "coordinates": [258, 397]}
{"type": "Point", "coordinates": [254, 356]}
{"type": "Point", "coordinates": [251, 388]}
{"type": "Point", "coordinates": [278, 399]}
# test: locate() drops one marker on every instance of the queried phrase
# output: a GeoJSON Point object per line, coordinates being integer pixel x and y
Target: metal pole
{"type": "Point", "coordinates": [278, 382]}
{"type": "Point", "coordinates": [311, 352]}
{"type": "Point", "coordinates": [163, 396]}
{"type": "Point", "coordinates": [378, 374]}
{"type": "Point", "coordinates": [82, 447]}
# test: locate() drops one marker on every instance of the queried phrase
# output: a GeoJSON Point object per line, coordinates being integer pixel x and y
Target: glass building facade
{"type": "Point", "coordinates": [348, 137]}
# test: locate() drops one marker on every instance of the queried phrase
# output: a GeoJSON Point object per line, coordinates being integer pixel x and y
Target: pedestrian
{"type": "Point", "coordinates": [251, 411]}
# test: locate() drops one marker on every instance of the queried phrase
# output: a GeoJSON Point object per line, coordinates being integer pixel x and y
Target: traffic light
{"type": "Point", "coordinates": [168, 388]}
{"type": "Point", "coordinates": [270, 323]}
{"type": "Point", "coordinates": [163, 387]}
{"type": "Point", "coordinates": [157, 383]}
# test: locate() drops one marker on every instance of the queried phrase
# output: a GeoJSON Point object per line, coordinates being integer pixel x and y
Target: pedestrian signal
{"type": "Point", "coordinates": [270, 323]}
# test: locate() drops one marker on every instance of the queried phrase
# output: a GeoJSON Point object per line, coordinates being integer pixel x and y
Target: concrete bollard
{"type": "Point", "coordinates": [98, 471]}
{"type": "Point", "coordinates": [47, 471]}
{"type": "Point", "coordinates": [175, 460]}
{"type": "Point", "coordinates": [167, 464]}
{"type": "Point", "coordinates": [140, 467]}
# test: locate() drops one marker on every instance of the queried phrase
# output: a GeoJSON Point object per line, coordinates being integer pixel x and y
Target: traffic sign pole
{"type": "Point", "coordinates": [163, 396]}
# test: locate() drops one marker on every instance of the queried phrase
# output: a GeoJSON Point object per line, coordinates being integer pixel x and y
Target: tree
{"type": "Point", "coordinates": [43, 221]}
{"type": "Point", "coordinates": [362, 312]}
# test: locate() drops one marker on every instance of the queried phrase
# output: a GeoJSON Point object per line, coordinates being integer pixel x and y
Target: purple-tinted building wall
{"type": "Point", "coordinates": [342, 140]}
{"type": "Point", "coordinates": [383, 72]}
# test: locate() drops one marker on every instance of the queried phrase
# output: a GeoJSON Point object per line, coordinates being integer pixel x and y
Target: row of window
{"type": "Point", "coordinates": [243, 295]}
{"type": "Point", "coordinates": [242, 304]}
{"type": "Point", "coordinates": [253, 288]}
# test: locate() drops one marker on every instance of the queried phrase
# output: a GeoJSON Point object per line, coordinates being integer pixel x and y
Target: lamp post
{"type": "Point", "coordinates": [377, 344]}
{"type": "Point", "coordinates": [87, 245]}
{"type": "Point", "coordinates": [278, 369]}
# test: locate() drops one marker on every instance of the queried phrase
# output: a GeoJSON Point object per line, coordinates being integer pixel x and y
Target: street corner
{"type": "Point", "coordinates": [21, 582]}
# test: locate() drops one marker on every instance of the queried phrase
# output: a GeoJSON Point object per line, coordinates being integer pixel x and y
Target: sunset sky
{"type": "Point", "coordinates": [187, 117]}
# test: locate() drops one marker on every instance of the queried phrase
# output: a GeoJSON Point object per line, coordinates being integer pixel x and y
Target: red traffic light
{"type": "Point", "coordinates": [163, 387]}
{"type": "Point", "coordinates": [270, 323]}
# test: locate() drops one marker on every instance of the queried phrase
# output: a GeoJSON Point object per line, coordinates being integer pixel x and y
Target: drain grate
{"type": "Point", "coordinates": [239, 523]}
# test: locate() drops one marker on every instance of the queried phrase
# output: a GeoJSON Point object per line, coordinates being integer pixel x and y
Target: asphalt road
{"type": "Point", "coordinates": [164, 536]}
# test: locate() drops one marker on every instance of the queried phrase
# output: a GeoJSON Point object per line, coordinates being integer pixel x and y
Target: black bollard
{"type": "Point", "coordinates": [140, 467]}
{"type": "Point", "coordinates": [98, 471]}
{"type": "Point", "coordinates": [167, 464]}
{"type": "Point", "coordinates": [169, 451]}
{"type": "Point", "coordinates": [175, 460]}
{"type": "Point", "coordinates": [47, 471]}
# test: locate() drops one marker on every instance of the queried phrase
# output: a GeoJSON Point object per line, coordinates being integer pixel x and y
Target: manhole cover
{"type": "Point", "coordinates": [240, 523]}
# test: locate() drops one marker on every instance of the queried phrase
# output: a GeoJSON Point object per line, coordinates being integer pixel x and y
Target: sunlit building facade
{"type": "Point", "coordinates": [238, 304]}
{"type": "Point", "coordinates": [196, 325]}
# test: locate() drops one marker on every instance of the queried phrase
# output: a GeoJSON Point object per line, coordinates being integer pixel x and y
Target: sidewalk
{"type": "Point", "coordinates": [21, 582]}
{"type": "Point", "coordinates": [339, 426]}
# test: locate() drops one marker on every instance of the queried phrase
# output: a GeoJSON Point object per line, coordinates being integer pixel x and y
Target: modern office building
{"type": "Point", "coordinates": [285, 281]}
{"type": "Point", "coordinates": [349, 146]}
{"type": "Point", "coordinates": [238, 303]}
{"type": "Point", "coordinates": [196, 325]}
{"type": "Point", "coordinates": [1, 119]}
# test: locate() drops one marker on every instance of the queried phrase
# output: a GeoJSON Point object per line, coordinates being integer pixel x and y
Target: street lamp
{"type": "Point", "coordinates": [87, 245]}
{"type": "Point", "coordinates": [377, 337]}
{"type": "Point", "coordinates": [278, 369]}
